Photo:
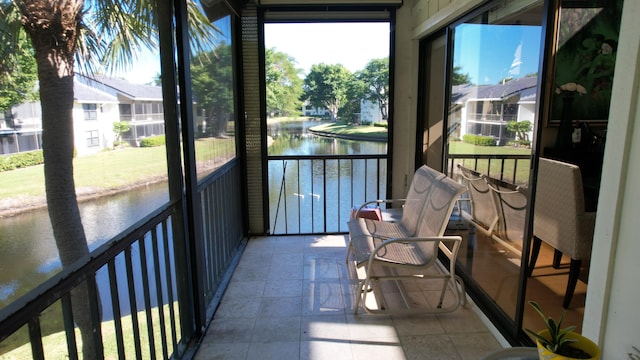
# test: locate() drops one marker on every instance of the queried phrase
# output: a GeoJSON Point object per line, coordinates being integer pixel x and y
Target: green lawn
{"type": "Point", "coordinates": [17, 347]}
{"type": "Point", "coordinates": [522, 168]}
{"type": "Point", "coordinates": [368, 131]}
{"type": "Point", "coordinates": [109, 170]}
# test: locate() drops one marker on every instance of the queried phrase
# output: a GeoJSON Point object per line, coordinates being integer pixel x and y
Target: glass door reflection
{"type": "Point", "coordinates": [491, 115]}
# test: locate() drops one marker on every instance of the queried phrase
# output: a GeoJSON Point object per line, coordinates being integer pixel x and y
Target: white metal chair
{"type": "Point", "coordinates": [511, 206]}
{"type": "Point", "coordinates": [411, 245]}
{"type": "Point", "coordinates": [481, 209]}
{"type": "Point", "coordinates": [497, 208]}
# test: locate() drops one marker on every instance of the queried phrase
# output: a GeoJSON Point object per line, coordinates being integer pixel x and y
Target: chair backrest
{"type": "Point", "coordinates": [438, 206]}
{"type": "Point", "coordinates": [559, 215]}
{"type": "Point", "coordinates": [421, 186]}
{"type": "Point", "coordinates": [482, 212]}
{"type": "Point", "coordinates": [511, 205]}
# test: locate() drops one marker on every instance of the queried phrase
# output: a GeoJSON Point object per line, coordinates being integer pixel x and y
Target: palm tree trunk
{"type": "Point", "coordinates": [56, 96]}
{"type": "Point", "coordinates": [55, 45]}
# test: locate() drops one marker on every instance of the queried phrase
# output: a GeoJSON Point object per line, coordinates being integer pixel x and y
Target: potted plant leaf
{"type": "Point", "coordinates": [559, 343]}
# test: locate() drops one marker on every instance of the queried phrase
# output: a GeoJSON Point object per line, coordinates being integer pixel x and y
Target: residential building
{"type": "Point", "coordinates": [370, 112]}
{"type": "Point", "coordinates": [21, 129]}
{"type": "Point", "coordinates": [99, 102]}
{"type": "Point", "coordinates": [486, 109]}
{"type": "Point", "coordinates": [140, 105]}
{"type": "Point", "coordinates": [310, 110]}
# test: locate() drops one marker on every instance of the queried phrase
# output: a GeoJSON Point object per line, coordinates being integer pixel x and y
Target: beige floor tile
{"type": "Point", "coordinates": [325, 327]}
{"type": "Point", "coordinates": [222, 351]}
{"type": "Point", "coordinates": [325, 350]}
{"type": "Point", "coordinates": [269, 330]}
{"type": "Point", "coordinates": [368, 327]}
{"type": "Point", "coordinates": [282, 306]}
{"type": "Point", "coordinates": [278, 288]}
{"type": "Point", "coordinates": [280, 350]}
{"type": "Point", "coordinates": [319, 304]}
{"type": "Point", "coordinates": [473, 346]}
{"type": "Point", "coordinates": [230, 330]}
{"type": "Point", "coordinates": [461, 321]}
{"type": "Point", "coordinates": [418, 325]}
{"type": "Point", "coordinates": [246, 307]}
{"type": "Point", "coordinates": [292, 298]}
{"type": "Point", "coordinates": [368, 350]}
{"type": "Point", "coordinates": [432, 347]}
{"type": "Point", "coordinates": [316, 267]}
{"type": "Point", "coordinates": [243, 289]}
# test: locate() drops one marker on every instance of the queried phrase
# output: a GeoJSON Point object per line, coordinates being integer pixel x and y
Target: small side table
{"type": "Point", "coordinates": [514, 353]}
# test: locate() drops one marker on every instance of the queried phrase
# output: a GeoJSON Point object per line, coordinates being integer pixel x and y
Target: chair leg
{"type": "Point", "coordinates": [535, 250]}
{"type": "Point", "coordinates": [574, 272]}
{"type": "Point", "coordinates": [557, 258]}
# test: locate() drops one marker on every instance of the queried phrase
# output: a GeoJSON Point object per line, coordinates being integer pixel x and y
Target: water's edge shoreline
{"type": "Point", "coordinates": [13, 207]}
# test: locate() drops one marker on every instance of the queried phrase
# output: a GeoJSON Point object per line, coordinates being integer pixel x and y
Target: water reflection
{"type": "Point", "coordinates": [317, 195]}
{"type": "Point", "coordinates": [28, 253]}
{"type": "Point", "coordinates": [294, 138]}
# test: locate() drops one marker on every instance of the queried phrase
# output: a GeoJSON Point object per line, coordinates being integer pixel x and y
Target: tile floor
{"type": "Point", "coordinates": [291, 298]}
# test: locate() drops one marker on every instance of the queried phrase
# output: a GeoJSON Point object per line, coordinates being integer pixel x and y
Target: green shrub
{"type": "Point", "coordinates": [152, 141]}
{"type": "Point", "coordinates": [479, 140]}
{"type": "Point", "coordinates": [21, 160]}
{"type": "Point", "coordinates": [519, 143]}
{"type": "Point", "coordinates": [381, 124]}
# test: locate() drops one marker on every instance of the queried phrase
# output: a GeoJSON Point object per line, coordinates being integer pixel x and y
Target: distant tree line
{"type": "Point", "coordinates": [329, 86]}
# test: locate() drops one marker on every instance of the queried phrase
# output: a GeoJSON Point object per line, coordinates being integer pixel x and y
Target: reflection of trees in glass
{"type": "Point", "coordinates": [212, 84]}
{"type": "Point", "coordinates": [284, 85]}
{"type": "Point", "coordinates": [458, 78]}
{"type": "Point", "coordinates": [326, 86]}
{"type": "Point", "coordinates": [587, 45]}
{"type": "Point", "coordinates": [522, 128]}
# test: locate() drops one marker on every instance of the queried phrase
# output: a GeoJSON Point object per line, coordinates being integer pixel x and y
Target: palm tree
{"type": "Point", "coordinates": [66, 33]}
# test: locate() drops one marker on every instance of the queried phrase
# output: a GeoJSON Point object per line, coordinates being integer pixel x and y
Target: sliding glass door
{"type": "Point", "coordinates": [479, 104]}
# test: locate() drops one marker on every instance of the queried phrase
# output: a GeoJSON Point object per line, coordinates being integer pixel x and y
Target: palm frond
{"type": "Point", "coordinates": [127, 28]}
{"type": "Point", "coordinates": [204, 36]}
{"type": "Point", "coordinates": [119, 31]}
{"type": "Point", "coordinates": [10, 33]}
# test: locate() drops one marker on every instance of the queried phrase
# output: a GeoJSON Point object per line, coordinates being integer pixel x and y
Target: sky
{"type": "Point", "coordinates": [490, 53]}
{"type": "Point", "coordinates": [350, 44]}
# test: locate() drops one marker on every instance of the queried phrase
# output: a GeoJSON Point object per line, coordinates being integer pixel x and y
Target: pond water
{"type": "Point", "coordinates": [28, 254]}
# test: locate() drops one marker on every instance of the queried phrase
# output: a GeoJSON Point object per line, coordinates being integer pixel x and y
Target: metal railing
{"type": "Point", "coordinates": [511, 168]}
{"type": "Point", "coordinates": [130, 278]}
{"type": "Point", "coordinates": [221, 201]}
{"type": "Point", "coordinates": [132, 297]}
{"type": "Point", "coordinates": [315, 194]}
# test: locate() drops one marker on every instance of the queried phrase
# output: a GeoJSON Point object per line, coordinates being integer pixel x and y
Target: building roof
{"type": "Point", "coordinates": [123, 88]}
{"type": "Point", "coordinates": [525, 86]}
{"type": "Point", "coordinates": [87, 94]}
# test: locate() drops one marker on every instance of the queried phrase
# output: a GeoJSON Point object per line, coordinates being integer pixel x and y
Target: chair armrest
{"type": "Point", "coordinates": [440, 241]}
{"type": "Point", "coordinates": [377, 203]}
